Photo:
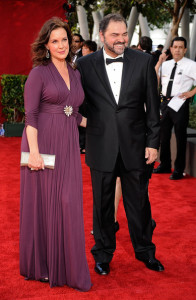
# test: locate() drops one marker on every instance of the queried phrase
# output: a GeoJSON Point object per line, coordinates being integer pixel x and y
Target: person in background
{"type": "Point", "coordinates": [134, 47]}
{"type": "Point", "coordinates": [178, 76]}
{"type": "Point", "coordinates": [87, 48]}
{"type": "Point", "coordinates": [121, 139]}
{"type": "Point", "coordinates": [2, 131]}
{"type": "Point", "coordinates": [52, 246]}
{"type": "Point", "coordinates": [145, 44]}
{"type": "Point", "coordinates": [76, 47]}
{"type": "Point", "coordinates": [157, 53]}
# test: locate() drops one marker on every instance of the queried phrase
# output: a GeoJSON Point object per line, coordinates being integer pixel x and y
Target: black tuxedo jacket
{"type": "Point", "coordinates": [126, 127]}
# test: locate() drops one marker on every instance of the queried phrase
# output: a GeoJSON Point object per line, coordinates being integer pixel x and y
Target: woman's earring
{"type": "Point", "coordinates": [47, 54]}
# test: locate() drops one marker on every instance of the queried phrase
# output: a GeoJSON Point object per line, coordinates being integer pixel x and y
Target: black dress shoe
{"type": "Point", "coordinates": [102, 268]}
{"type": "Point", "coordinates": [153, 264]}
{"type": "Point", "coordinates": [44, 280]}
{"type": "Point", "coordinates": [116, 226]}
{"type": "Point", "coordinates": [176, 176]}
{"type": "Point", "coordinates": [161, 170]}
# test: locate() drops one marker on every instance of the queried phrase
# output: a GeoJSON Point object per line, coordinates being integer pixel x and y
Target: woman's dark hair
{"type": "Point", "coordinates": [39, 46]}
{"type": "Point", "coordinates": [111, 17]}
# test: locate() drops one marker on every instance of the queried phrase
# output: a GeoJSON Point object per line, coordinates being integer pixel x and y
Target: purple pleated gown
{"type": "Point", "coordinates": [52, 240]}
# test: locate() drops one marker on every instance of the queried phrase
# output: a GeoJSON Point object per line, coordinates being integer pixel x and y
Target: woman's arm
{"type": "Point", "coordinates": [162, 58]}
{"type": "Point", "coordinates": [32, 98]}
{"type": "Point", "coordinates": [35, 160]}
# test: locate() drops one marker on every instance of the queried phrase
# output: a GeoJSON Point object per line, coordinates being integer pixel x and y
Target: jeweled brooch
{"type": "Point", "coordinates": [68, 110]}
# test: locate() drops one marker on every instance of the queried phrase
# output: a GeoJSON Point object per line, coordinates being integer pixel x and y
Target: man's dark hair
{"type": "Point", "coordinates": [179, 38]}
{"type": "Point", "coordinates": [91, 45]}
{"type": "Point", "coordinates": [79, 35]}
{"type": "Point", "coordinates": [160, 46]}
{"type": "Point", "coordinates": [111, 17]}
{"type": "Point", "coordinates": [145, 43]}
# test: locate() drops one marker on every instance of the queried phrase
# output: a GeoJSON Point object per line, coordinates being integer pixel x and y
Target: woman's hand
{"type": "Point", "coordinates": [35, 162]}
{"type": "Point", "coordinates": [83, 122]}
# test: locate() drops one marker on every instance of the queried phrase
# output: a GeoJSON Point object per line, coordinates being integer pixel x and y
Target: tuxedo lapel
{"type": "Point", "coordinates": [100, 69]}
{"type": "Point", "coordinates": [128, 68]}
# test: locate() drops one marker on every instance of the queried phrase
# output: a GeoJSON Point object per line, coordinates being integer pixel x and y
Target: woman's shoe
{"type": "Point", "coordinates": [44, 279]}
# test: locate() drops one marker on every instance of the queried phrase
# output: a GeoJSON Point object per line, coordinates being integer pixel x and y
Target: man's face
{"type": "Point", "coordinates": [86, 50]}
{"type": "Point", "coordinates": [178, 50]}
{"type": "Point", "coordinates": [115, 38]}
{"type": "Point", "coordinates": [76, 44]}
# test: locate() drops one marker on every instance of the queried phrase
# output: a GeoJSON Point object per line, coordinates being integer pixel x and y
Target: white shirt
{"type": "Point", "coordinates": [75, 56]}
{"type": "Point", "coordinates": [114, 72]}
{"type": "Point", "coordinates": [184, 79]}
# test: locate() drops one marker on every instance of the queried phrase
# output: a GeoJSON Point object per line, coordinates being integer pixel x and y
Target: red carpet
{"type": "Point", "coordinates": [173, 208]}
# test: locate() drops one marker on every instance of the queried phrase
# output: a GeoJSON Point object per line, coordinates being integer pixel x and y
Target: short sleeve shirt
{"type": "Point", "coordinates": [184, 79]}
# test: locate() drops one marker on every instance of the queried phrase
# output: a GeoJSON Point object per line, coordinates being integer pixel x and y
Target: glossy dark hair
{"type": "Point", "coordinates": [91, 45]}
{"type": "Point", "coordinates": [179, 38]}
{"type": "Point", "coordinates": [78, 35]}
{"type": "Point", "coordinates": [111, 17]}
{"type": "Point", "coordinates": [39, 46]}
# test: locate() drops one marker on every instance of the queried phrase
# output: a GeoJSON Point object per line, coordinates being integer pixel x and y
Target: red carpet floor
{"type": "Point", "coordinates": [173, 208]}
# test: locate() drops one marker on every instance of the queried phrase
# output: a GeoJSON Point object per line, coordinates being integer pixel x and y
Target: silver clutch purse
{"type": "Point", "coordinates": [49, 160]}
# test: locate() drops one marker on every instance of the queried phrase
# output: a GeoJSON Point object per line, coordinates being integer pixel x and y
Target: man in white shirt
{"type": "Point", "coordinates": [178, 77]}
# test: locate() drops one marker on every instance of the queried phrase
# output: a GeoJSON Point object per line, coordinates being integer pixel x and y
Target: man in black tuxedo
{"type": "Point", "coordinates": [76, 47]}
{"type": "Point", "coordinates": [122, 138]}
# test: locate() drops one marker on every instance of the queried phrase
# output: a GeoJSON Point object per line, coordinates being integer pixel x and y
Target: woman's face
{"type": "Point", "coordinates": [58, 44]}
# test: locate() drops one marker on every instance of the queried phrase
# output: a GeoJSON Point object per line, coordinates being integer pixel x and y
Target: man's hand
{"type": "Point", "coordinates": [151, 155]}
{"type": "Point", "coordinates": [186, 95]}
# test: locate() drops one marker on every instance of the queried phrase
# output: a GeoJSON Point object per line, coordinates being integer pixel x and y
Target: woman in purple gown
{"type": "Point", "coordinates": [52, 245]}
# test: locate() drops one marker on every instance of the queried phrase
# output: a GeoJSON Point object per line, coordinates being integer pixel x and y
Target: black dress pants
{"type": "Point", "coordinates": [137, 208]}
{"type": "Point", "coordinates": [82, 137]}
{"type": "Point", "coordinates": [179, 120]}
{"type": "Point", "coordinates": [82, 130]}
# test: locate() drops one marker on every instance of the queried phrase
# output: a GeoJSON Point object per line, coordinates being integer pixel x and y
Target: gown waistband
{"type": "Point", "coordinates": [68, 110]}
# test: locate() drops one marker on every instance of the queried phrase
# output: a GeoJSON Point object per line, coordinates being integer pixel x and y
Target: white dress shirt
{"type": "Point", "coordinates": [184, 79]}
{"type": "Point", "coordinates": [114, 72]}
{"type": "Point", "coordinates": [75, 56]}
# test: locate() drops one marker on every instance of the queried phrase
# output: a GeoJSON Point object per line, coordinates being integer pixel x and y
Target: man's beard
{"type": "Point", "coordinates": [115, 50]}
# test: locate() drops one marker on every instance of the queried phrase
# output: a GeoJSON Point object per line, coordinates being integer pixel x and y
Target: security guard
{"type": "Point", "coordinates": [178, 77]}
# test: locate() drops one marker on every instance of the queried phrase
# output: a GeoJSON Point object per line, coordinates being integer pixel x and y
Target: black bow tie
{"type": "Point", "coordinates": [111, 60]}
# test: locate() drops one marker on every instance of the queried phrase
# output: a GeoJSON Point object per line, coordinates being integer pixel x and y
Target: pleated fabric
{"type": "Point", "coordinates": [52, 242]}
